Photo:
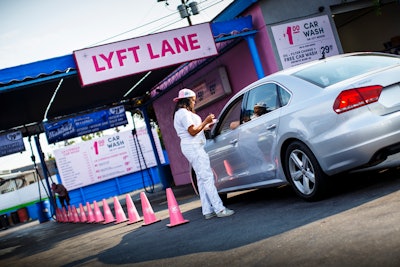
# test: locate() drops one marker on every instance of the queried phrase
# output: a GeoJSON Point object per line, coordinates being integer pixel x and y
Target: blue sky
{"type": "Point", "coordinates": [36, 30]}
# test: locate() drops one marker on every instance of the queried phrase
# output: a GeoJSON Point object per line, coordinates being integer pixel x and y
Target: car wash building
{"type": "Point", "coordinates": [281, 34]}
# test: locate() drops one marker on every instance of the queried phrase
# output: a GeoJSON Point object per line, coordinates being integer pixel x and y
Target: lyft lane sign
{"type": "Point", "coordinates": [119, 59]}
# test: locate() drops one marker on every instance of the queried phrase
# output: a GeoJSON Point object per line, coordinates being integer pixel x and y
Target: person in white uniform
{"type": "Point", "coordinates": [190, 129]}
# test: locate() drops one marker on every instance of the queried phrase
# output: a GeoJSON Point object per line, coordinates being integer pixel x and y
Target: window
{"type": "Point", "coordinates": [284, 96]}
{"type": "Point", "coordinates": [330, 72]}
{"type": "Point", "coordinates": [261, 100]}
{"type": "Point", "coordinates": [231, 115]}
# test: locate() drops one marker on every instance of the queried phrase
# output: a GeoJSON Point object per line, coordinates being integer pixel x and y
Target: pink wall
{"type": "Point", "coordinates": [241, 72]}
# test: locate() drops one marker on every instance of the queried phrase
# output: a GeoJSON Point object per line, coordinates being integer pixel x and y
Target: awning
{"type": "Point", "coordinates": [26, 95]}
{"type": "Point", "coordinates": [27, 90]}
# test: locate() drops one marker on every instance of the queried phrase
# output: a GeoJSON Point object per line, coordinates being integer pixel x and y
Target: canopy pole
{"type": "Point", "coordinates": [160, 169]}
{"type": "Point", "coordinates": [255, 56]}
{"type": "Point", "coordinates": [44, 170]}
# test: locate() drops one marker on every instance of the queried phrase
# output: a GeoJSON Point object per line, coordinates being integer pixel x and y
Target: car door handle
{"type": "Point", "coordinates": [271, 127]}
{"type": "Point", "coordinates": [233, 142]}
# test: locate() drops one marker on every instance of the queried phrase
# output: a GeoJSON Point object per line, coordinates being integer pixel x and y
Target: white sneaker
{"type": "Point", "coordinates": [225, 213]}
{"type": "Point", "coordinates": [210, 215]}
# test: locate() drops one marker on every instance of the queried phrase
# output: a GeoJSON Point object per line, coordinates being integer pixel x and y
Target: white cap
{"type": "Point", "coordinates": [261, 105]}
{"type": "Point", "coordinates": [184, 93]}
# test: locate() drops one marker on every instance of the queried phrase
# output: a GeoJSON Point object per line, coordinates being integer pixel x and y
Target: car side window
{"type": "Point", "coordinates": [284, 96]}
{"type": "Point", "coordinates": [261, 100]}
{"type": "Point", "coordinates": [231, 115]}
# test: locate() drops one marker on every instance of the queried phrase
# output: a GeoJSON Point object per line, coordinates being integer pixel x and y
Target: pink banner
{"type": "Point", "coordinates": [119, 59]}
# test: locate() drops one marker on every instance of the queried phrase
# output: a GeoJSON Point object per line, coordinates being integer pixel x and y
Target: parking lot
{"type": "Point", "coordinates": [358, 225]}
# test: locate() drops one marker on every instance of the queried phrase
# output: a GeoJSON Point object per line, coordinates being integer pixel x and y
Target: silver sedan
{"type": "Point", "coordinates": [305, 124]}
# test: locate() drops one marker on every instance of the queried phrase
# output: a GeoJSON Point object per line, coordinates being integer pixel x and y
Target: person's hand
{"type": "Point", "coordinates": [210, 118]}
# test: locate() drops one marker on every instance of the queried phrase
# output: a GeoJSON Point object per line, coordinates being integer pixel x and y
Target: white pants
{"type": "Point", "coordinates": [198, 158]}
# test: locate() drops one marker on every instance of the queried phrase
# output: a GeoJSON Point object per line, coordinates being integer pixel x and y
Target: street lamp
{"type": "Point", "coordinates": [184, 9]}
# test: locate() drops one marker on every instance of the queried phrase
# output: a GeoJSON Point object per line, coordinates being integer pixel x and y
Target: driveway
{"type": "Point", "coordinates": [358, 225]}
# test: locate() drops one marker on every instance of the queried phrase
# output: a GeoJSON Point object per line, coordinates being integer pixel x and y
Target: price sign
{"type": "Point", "coordinates": [304, 40]}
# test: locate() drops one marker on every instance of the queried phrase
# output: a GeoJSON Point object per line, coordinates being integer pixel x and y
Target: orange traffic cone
{"type": "Point", "coordinates": [107, 213]}
{"type": "Point", "coordinates": [175, 215]}
{"type": "Point", "coordinates": [91, 218]}
{"type": "Point", "coordinates": [64, 214]}
{"type": "Point", "coordinates": [148, 213]}
{"type": "Point", "coordinates": [228, 168]}
{"type": "Point", "coordinates": [70, 215]}
{"type": "Point", "coordinates": [75, 215]}
{"type": "Point", "coordinates": [119, 212]}
{"type": "Point", "coordinates": [58, 215]}
{"type": "Point", "coordinates": [98, 216]}
{"type": "Point", "coordinates": [133, 214]}
{"type": "Point", "coordinates": [82, 213]}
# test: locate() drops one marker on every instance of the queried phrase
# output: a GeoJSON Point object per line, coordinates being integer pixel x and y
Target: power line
{"type": "Point", "coordinates": [146, 24]}
{"type": "Point", "coordinates": [154, 21]}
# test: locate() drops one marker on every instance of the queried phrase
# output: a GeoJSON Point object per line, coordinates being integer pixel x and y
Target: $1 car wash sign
{"type": "Point", "coordinates": [305, 40]}
{"type": "Point", "coordinates": [145, 53]}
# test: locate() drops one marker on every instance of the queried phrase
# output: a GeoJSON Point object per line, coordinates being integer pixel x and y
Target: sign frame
{"type": "Point", "coordinates": [145, 53]}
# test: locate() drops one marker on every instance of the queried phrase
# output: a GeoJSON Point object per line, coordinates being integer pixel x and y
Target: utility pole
{"type": "Point", "coordinates": [184, 9]}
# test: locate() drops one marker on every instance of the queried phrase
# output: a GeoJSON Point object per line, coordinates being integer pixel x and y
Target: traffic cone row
{"type": "Point", "coordinates": [96, 216]}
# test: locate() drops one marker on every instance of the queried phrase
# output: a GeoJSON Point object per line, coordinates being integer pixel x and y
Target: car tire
{"type": "Point", "coordinates": [304, 173]}
{"type": "Point", "coordinates": [224, 198]}
{"type": "Point", "coordinates": [193, 179]}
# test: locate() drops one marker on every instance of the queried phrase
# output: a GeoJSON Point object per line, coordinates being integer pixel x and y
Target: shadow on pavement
{"type": "Point", "coordinates": [272, 212]}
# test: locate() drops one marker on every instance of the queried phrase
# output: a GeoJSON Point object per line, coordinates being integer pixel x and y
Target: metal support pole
{"type": "Point", "coordinates": [160, 171]}
{"type": "Point", "coordinates": [255, 56]}
{"type": "Point", "coordinates": [44, 169]}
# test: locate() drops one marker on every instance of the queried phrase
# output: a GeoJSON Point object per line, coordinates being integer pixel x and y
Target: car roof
{"type": "Point", "coordinates": [274, 77]}
{"type": "Point", "coordinates": [291, 70]}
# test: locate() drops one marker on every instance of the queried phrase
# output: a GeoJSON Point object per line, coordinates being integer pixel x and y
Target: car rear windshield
{"type": "Point", "coordinates": [333, 71]}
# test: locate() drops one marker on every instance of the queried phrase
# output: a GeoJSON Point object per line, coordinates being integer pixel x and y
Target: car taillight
{"type": "Point", "coordinates": [357, 97]}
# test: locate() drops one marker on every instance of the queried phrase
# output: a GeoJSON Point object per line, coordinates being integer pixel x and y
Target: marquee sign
{"type": "Point", "coordinates": [11, 142]}
{"type": "Point", "coordinates": [119, 59]}
{"type": "Point", "coordinates": [64, 129]}
{"type": "Point", "coordinates": [106, 157]}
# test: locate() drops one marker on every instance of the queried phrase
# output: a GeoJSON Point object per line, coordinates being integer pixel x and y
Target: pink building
{"type": "Point", "coordinates": [228, 72]}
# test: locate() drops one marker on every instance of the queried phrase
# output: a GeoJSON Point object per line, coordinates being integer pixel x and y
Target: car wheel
{"type": "Point", "coordinates": [193, 179]}
{"type": "Point", "coordinates": [223, 197]}
{"type": "Point", "coordinates": [304, 172]}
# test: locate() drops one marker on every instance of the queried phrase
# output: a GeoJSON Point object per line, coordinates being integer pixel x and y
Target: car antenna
{"type": "Point", "coordinates": [323, 55]}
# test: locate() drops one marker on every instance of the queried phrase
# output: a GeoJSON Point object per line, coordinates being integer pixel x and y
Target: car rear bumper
{"type": "Point", "coordinates": [364, 142]}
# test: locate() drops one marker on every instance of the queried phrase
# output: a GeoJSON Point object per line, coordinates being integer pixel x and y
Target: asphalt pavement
{"type": "Point", "coordinates": [357, 226]}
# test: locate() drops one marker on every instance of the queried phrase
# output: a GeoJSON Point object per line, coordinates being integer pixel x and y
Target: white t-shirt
{"type": "Point", "coordinates": [183, 119]}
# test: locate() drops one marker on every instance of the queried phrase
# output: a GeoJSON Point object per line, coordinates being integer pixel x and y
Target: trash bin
{"type": "Point", "coordinates": [44, 211]}
{"type": "Point", "coordinates": [23, 215]}
{"type": "Point", "coordinates": [14, 217]}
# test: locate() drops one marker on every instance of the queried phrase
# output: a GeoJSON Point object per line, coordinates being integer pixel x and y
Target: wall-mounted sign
{"type": "Point", "coordinates": [145, 53]}
{"type": "Point", "coordinates": [85, 124]}
{"type": "Point", "coordinates": [211, 87]}
{"type": "Point", "coordinates": [11, 142]}
{"type": "Point", "coordinates": [304, 40]}
{"type": "Point", "coordinates": [105, 158]}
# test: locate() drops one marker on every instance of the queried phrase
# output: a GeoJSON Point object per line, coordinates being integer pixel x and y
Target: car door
{"type": "Point", "coordinates": [222, 149]}
{"type": "Point", "coordinates": [257, 135]}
